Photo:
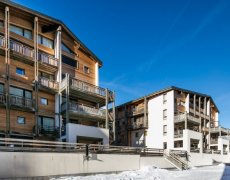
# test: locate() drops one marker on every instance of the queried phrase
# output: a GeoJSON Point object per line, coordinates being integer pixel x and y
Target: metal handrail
{"type": "Point", "coordinates": [22, 49]}
{"type": "Point", "coordinates": [48, 83]}
{"type": "Point", "coordinates": [47, 59]}
{"type": "Point", "coordinates": [84, 109]}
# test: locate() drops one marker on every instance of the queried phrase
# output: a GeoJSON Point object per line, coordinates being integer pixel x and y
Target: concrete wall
{"type": "Point", "coordinates": [74, 130]}
{"type": "Point", "coordinates": [188, 135]}
{"type": "Point", "coordinates": [155, 137]}
{"type": "Point", "coordinates": [19, 164]}
{"type": "Point", "coordinates": [158, 162]}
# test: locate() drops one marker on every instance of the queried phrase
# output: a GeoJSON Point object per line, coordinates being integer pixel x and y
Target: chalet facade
{"type": "Point", "coordinates": [49, 81]}
{"type": "Point", "coordinates": [172, 118]}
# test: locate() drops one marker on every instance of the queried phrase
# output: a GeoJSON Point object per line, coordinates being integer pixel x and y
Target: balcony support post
{"type": "Point", "coordinates": [145, 119]}
{"type": "Point", "coordinates": [186, 121]}
{"type": "Point", "coordinates": [7, 63]}
{"type": "Point", "coordinates": [114, 116]}
{"type": "Point", "coordinates": [106, 109]}
{"type": "Point", "coordinates": [194, 104]}
{"type": "Point", "coordinates": [36, 82]}
{"type": "Point", "coordinates": [67, 99]}
{"type": "Point", "coordinates": [58, 99]}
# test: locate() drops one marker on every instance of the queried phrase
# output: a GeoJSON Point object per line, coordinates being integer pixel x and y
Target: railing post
{"type": "Point", "coordinates": [106, 110]}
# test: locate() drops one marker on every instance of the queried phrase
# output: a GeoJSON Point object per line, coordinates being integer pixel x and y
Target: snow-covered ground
{"type": "Point", "coordinates": [150, 173]}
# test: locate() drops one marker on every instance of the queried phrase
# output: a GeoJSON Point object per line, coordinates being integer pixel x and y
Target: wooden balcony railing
{"type": "Point", "coordinates": [134, 126]}
{"type": "Point", "coordinates": [84, 86]}
{"type": "Point", "coordinates": [48, 83]}
{"type": "Point", "coordinates": [2, 41]}
{"type": "Point", "coordinates": [83, 109]}
{"type": "Point", "coordinates": [21, 49]}
{"type": "Point", "coordinates": [21, 102]}
{"type": "Point", "coordinates": [47, 59]}
{"type": "Point", "coordinates": [136, 111]}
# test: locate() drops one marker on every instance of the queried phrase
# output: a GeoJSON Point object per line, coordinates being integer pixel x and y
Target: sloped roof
{"type": "Point", "coordinates": [49, 18]}
{"type": "Point", "coordinates": [162, 91]}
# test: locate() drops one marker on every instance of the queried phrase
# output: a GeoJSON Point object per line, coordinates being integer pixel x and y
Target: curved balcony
{"type": "Point", "coordinates": [76, 110]}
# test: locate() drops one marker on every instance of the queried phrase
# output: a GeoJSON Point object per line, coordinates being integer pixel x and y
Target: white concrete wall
{"type": "Point", "coordinates": [159, 162]}
{"type": "Point", "coordinates": [96, 74]}
{"type": "Point", "coordinates": [187, 103]}
{"type": "Point", "coordinates": [221, 143]}
{"type": "Point", "coordinates": [155, 137]}
{"type": "Point", "coordinates": [74, 130]}
{"type": "Point", "coordinates": [188, 135]}
{"type": "Point", "coordinates": [135, 142]}
{"type": "Point", "coordinates": [20, 164]}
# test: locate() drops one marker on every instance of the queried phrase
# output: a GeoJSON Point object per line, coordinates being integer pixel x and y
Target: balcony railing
{"type": "Point", "coordinates": [86, 87]}
{"type": "Point", "coordinates": [213, 141]}
{"type": "Point", "coordinates": [48, 130]}
{"type": "Point", "coordinates": [48, 83]}
{"type": "Point", "coordinates": [136, 126]}
{"type": "Point", "coordinates": [21, 49]}
{"type": "Point", "coordinates": [21, 101]}
{"type": "Point", "coordinates": [183, 117]}
{"type": "Point", "coordinates": [195, 150]}
{"type": "Point", "coordinates": [136, 111]}
{"type": "Point", "coordinates": [178, 134]}
{"type": "Point", "coordinates": [2, 41]}
{"type": "Point", "coordinates": [47, 59]}
{"type": "Point", "coordinates": [2, 99]}
{"type": "Point", "coordinates": [220, 129]}
{"type": "Point", "coordinates": [83, 109]}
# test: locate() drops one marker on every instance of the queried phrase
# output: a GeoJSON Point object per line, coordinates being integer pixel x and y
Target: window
{"type": "Point", "coordinates": [86, 69]}
{"type": "Point", "coordinates": [1, 88]}
{"type": "Point", "coordinates": [165, 114]}
{"type": "Point", "coordinates": [165, 145]}
{"type": "Point", "coordinates": [164, 98]}
{"type": "Point", "coordinates": [21, 120]}
{"type": "Point", "coordinates": [136, 134]}
{"type": "Point", "coordinates": [44, 101]}
{"type": "Point", "coordinates": [45, 75]}
{"type": "Point", "coordinates": [1, 24]}
{"type": "Point", "coordinates": [20, 92]}
{"type": "Point", "coordinates": [20, 71]}
{"type": "Point", "coordinates": [45, 122]}
{"type": "Point", "coordinates": [71, 62]}
{"type": "Point", "coordinates": [21, 31]}
{"type": "Point", "coordinates": [165, 130]}
{"type": "Point", "coordinates": [46, 42]}
{"type": "Point", "coordinates": [66, 49]}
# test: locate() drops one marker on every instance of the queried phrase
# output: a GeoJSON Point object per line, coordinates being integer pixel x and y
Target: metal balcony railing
{"type": "Point", "coordinates": [47, 59]}
{"type": "Point", "coordinates": [21, 101]}
{"type": "Point", "coordinates": [48, 130]}
{"type": "Point", "coordinates": [83, 109]}
{"type": "Point", "coordinates": [184, 116]}
{"type": "Point", "coordinates": [178, 134]}
{"type": "Point", "coordinates": [21, 49]}
{"type": "Point", "coordinates": [2, 41]}
{"type": "Point", "coordinates": [86, 87]}
{"type": "Point", "coordinates": [2, 99]}
{"type": "Point", "coordinates": [48, 83]}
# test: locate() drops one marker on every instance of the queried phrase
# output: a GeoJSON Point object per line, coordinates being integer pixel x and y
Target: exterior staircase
{"type": "Point", "coordinates": [176, 160]}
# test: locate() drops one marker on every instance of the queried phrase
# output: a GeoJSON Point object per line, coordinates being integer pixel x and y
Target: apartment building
{"type": "Point", "coordinates": [49, 81]}
{"type": "Point", "coordinates": [172, 118]}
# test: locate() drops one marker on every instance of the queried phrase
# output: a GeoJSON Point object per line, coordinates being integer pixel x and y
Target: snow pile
{"type": "Point", "coordinates": [151, 173]}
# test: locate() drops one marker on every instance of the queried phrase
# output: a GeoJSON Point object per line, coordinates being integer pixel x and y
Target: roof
{"type": "Point", "coordinates": [162, 91]}
{"type": "Point", "coordinates": [49, 18]}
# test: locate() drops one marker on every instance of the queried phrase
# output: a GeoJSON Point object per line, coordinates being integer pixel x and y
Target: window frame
{"type": "Point", "coordinates": [165, 114]}
{"type": "Point", "coordinates": [86, 72]}
{"type": "Point", "coordinates": [41, 41]}
{"type": "Point", "coordinates": [24, 120]}
{"type": "Point", "coordinates": [22, 70]}
{"type": "Point", "coordinates": [44, 104]}
{"type": "Point", "coordinates": [23, 92]}
{"type": "Point", "coordinates": [164, 130]}
{"type": "Point", "coordinates": [164, 98]}
{"type": "Point", "coordinates": [23, 34]}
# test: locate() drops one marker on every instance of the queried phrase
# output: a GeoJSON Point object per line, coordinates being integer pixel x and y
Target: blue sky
{"type": "Point", "coordinates": [148, 45]}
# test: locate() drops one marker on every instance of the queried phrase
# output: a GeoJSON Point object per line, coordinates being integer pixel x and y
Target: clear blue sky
{"type": "Point", "coordinates": [147, 45]}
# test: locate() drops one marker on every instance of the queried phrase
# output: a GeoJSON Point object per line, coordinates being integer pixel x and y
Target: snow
{"type": "Point", "coordinates": [151, 173]}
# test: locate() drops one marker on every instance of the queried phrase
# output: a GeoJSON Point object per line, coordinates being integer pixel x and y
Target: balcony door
{"type": "Point", "coordinates": [46, 123]}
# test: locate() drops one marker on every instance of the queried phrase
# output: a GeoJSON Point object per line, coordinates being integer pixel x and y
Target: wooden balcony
{"type": "Point", "coordinates": [90, 92]}
{"type": "Point", "coordinates": [183, 117]}
{"type": "Point", "coordinates": [18, 102]}
{"type": "Point", "coordinates": [47, 62]}
{"type": "Point", "coordinates": [22, 52]}
{"type": "Point", "coordinates": [136, 111]}
{"type": "Point", "coordinates": [48, 85]}
{"type": "Point", "coordinates": [136, 126]}
{"type": "Point", "coordinates": [83, 111]}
